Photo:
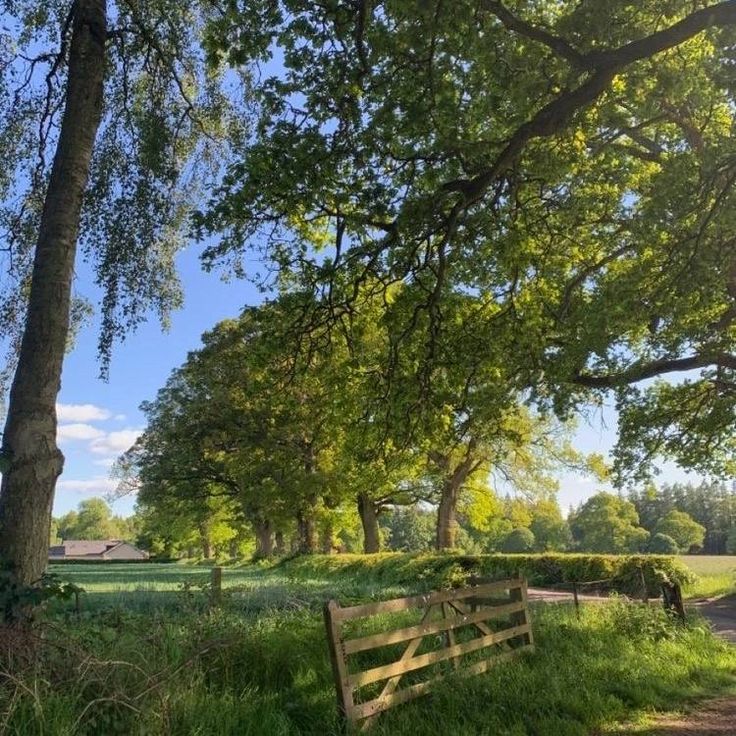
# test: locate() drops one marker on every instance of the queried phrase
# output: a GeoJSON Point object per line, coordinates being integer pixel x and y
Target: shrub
{"type": "Point", "coordinates": [520, 540]}
{"type": "Point", "coordinates": [663, 544]}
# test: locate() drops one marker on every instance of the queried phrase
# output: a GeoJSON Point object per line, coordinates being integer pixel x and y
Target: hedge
{"type": "Point", "coordinates": [620, 573]}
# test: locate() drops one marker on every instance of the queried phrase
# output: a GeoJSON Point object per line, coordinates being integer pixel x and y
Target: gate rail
{"type": "Point", "coordinates": [470, 608]}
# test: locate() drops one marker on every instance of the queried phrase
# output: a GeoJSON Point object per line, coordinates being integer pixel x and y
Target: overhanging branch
{"type": "Point", "coordinates": [641, 371]}
{"type": "Point", "coordinates": [555, 115]}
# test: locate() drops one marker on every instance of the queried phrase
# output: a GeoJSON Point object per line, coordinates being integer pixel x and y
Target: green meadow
{"type": "Point", "coordinates": [146, 654]}
{"type": "Point", "coordinates": [716, 575]}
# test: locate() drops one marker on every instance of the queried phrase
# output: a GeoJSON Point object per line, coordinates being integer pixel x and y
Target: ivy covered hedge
{"type": "Point", "coordinates": [620, 573]}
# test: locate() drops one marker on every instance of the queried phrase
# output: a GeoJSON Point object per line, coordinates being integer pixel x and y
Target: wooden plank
{"type": "Point", "coordinates": [461, 608]}
{"type": "Point", "coordinates": [421, 601]}
{"type": "Point", "coordinates": [520, 594]}
{"type": "Point", "coordinates": [450, 635]}
{"type": "Point", "coordinates": [343, 688]}
{"type": "Point", "coordinates": [393, 683]}
{"type": "Point", "coordinates": [466, 618]}
{"type": "Point", "coordinates": [424, 660]}
{"type": "Point", "coordinates": [379, 704]}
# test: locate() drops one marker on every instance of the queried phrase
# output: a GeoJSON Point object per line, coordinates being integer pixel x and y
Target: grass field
{"type": "Point", "coordinates": [147, 656]}
{"type": "Point", "coordinates": [716, 575]}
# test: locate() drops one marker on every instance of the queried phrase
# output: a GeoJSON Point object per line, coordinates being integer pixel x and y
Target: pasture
{"type": "Point", "coordinates": [716, 575]}
{"type": "Point", "coordinates": [147, 655]}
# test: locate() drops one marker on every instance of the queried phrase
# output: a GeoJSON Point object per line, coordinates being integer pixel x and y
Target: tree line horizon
{"type": "Point", "coordinates": [678, 518]}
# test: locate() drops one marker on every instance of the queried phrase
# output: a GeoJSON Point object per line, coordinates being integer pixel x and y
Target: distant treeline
{"type": "Point", "coordinates": [710, 504]}
{"type": "Point", "coordinates": [674, 519]}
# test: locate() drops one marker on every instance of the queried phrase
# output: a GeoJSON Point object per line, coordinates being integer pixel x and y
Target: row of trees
{"type": "Point", "coordinates": [288, 438]}
{"type": "Point", "coordinates": [512, 524]}
{"type": "Point", "coordinates": [605, 523]}
{"type": "Point", "coordinates": [609, 523]}
{"type": "Point", "coordinates": [550, 183]}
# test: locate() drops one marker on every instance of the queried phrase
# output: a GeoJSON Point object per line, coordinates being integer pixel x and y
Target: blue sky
{"type": "Point", "coordinates": [98, 420]}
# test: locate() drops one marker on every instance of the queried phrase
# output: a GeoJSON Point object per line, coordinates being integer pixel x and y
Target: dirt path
{"type": "Point", "coordinates": [714, 718]}
{"type": "Point", "coordinates": [721, 612]}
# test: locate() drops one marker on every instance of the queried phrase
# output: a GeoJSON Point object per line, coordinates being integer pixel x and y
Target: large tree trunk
{"type": "Point", "coordinates": [447, 510]}
{"type": "Point", "coordinates": [280, 543]}
{"type": "Point", "coordinates": [307, 531]}
{"type": "Point", "coordinates": [447, 517]}
{"type": "Point", "coordinates": [264, 539]}
{"type": "Point", "coordinates": [369, 520]}
{"type": "Point", "coordinates": [327, 539]}
{"type": "Point", "coordinates": [34, 461]}
{"type": "Point", "coordinates": [205, 542]}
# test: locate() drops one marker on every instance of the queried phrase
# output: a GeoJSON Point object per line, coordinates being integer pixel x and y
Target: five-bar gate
{"type": "Point", "coordinates": [494, 615]}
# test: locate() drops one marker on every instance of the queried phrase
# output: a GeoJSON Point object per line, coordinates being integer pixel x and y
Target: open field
{"type": "Point", "coordinates": [716, 575]}
{"type": "Point", "coordinates": [146, 655]}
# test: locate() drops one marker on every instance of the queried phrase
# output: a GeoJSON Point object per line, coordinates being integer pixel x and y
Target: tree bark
{"type": "Point", "coordinates": [307, 531]}
{"type": "Point", "coordinates": [326, 541]}
{"type": "Point", "coordinates": [447, 516]}
{"type": "Point", "coordinates": [205, 541]}
{"type": "Point", "coordinates": [453, 483]}
{"type": "Point", "coordinates": [33, 459]}
{"type": "Point", "coordinates": [264, 539]}
{"type": "Point", "coordinates": [369, 520]}
{"type": "Point", "coordinates": [280, 544]}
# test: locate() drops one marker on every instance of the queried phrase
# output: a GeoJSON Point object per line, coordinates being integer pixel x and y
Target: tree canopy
{"type": "Point", "coordinates": [568, 165]}
{"type": "Point", "coordinates": [289, 440]}
{"type": "Point", "coordinates": [609, 524]}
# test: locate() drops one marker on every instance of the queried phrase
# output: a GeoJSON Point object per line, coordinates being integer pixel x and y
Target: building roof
{"type": "Point", "coordinates": [83, 547]}
{"type": "Point", "coordinates": [88, 547]}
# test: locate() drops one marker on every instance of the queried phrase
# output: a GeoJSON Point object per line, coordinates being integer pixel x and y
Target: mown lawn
{"type": "Point", "coordinates": [147, 656]}
{"type": "Point", "coordinates": [716, 575]}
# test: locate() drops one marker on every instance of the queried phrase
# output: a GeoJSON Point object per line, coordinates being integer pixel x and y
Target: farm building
{"type": "Point", "coordinates": [95, 549]}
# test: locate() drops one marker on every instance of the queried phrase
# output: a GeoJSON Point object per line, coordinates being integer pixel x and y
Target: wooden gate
{"type": "Point", "coordinates": [475, 614]}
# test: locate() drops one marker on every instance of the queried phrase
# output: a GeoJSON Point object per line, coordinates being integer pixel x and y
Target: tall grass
{"type": "Point", "coordinates": [259, 665]}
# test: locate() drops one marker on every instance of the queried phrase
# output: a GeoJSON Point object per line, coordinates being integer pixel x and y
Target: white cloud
{"type": "Point", "coordinates": [99, 486]}
{"type": "Point", "coordinates": [81, 413]}
{"type": "Point", "coordinates": [119, 417]}
{"type": "Point", "coordinates": [104, 462]}
{"type": "Point", "coordinates": [113, 443]}
{"type": "Point", "coordinates": [78, 431]}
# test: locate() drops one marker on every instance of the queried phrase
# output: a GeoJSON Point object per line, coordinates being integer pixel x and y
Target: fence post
{"type": "Point", "coordinates": [679, 607]}
{"type": "Point", "coordinates": [339, 669]}
{"type": "Point", "coordinates": [575, 597]}
{"type": "Point", "coordinates": [672, 599]}
{"type": "Point", "coordinates": [644, 591]}
{"type": "Point", "coordinates": [216, 586]}
{"type": "Point", "coordinates": [522, 617]}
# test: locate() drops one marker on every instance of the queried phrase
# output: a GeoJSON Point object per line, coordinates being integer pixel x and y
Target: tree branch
{"type": "Point", "coordinates": [641, 371]}
{"type": "Point", "coordinates": [559, 45]}
{"type": "Point", "coordinates": [555, 115]}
